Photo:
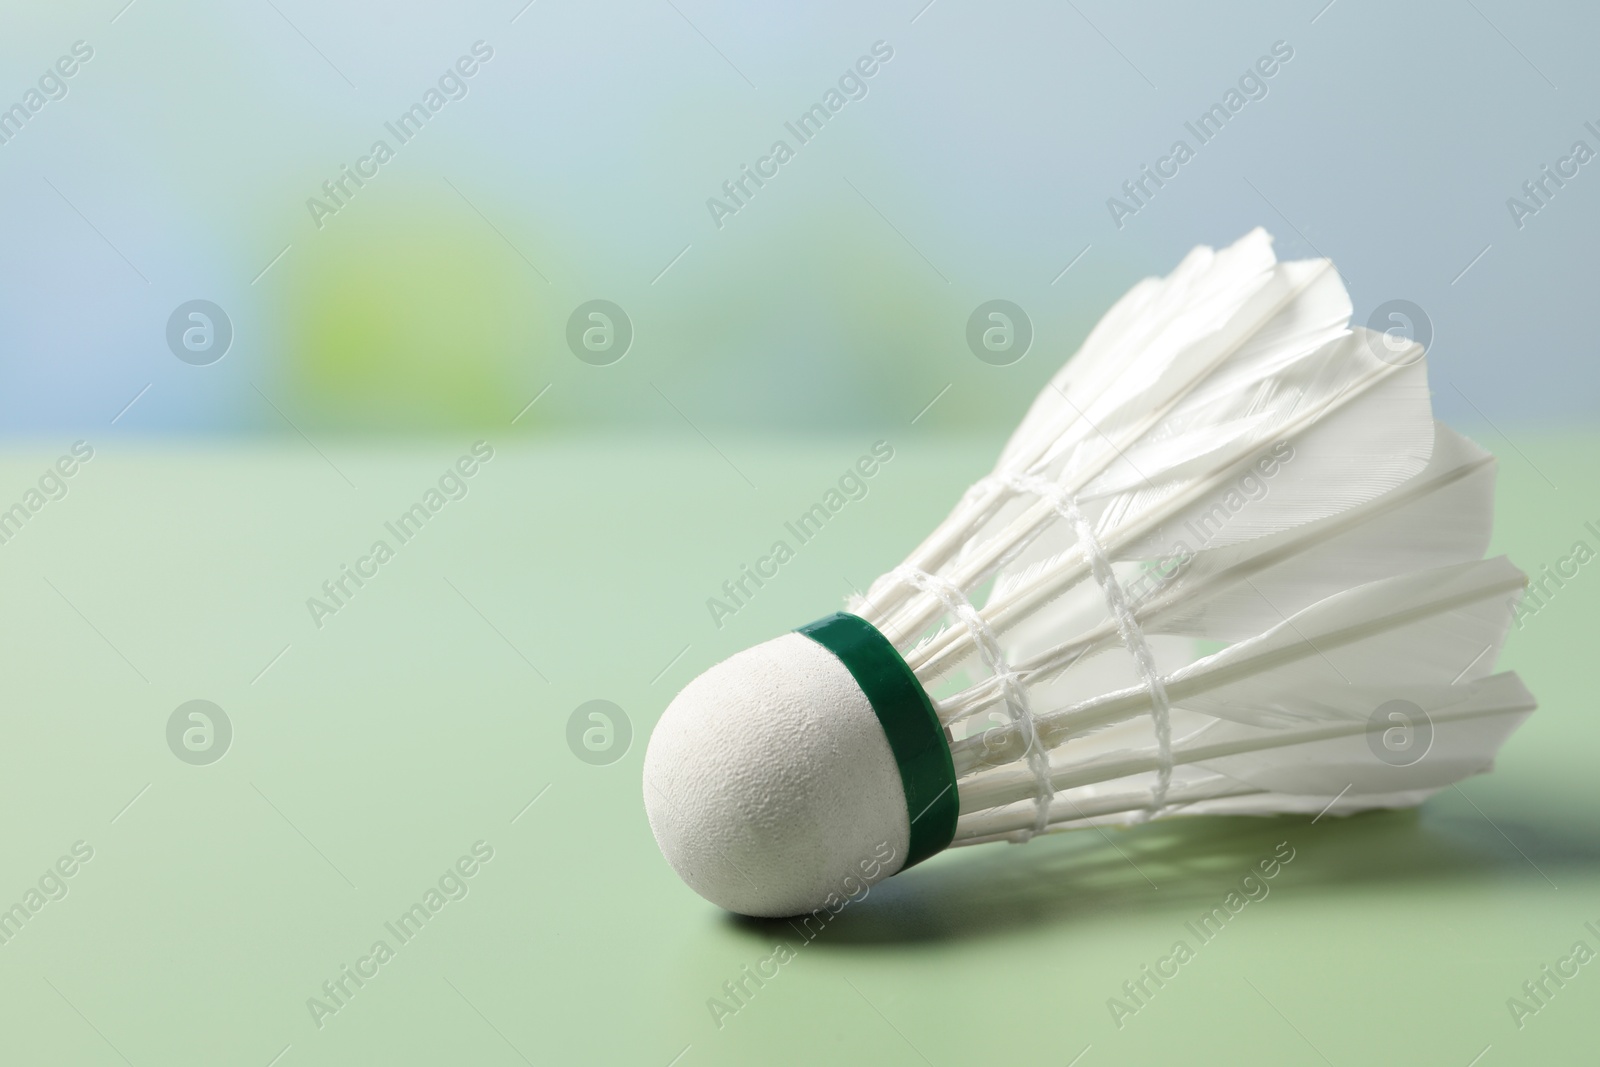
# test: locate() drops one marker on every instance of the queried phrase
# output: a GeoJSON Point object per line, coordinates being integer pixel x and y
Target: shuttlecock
{"type": "Point", "coordinates": [1228, 563]}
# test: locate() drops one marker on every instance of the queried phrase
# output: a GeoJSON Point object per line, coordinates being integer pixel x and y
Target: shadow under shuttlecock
{"type": "Point", "coordinates": [1180, 864]}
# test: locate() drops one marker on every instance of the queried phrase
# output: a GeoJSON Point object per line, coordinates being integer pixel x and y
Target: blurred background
{"type": "Point", "coordinates": [186, 159]}
{"type": "Point", "coordinates": [282, 266]}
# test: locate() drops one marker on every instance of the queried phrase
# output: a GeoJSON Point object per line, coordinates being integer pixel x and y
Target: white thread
{"type": "Point", "coordinates": [1133, 639]}
{"type": "Point", "coordinates": [1015, 694]}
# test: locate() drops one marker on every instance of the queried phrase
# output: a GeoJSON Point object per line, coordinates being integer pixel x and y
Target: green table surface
{"type": "Point", "coordinates": [371, 753]}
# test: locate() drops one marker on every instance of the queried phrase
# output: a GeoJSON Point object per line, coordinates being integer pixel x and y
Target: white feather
{"type": "Point", "coordinates": [1442, 516]}
{"type": "Point", "coordinates": [1256, 473]}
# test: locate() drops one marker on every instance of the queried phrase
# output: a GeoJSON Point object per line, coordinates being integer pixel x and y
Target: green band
{"type": "Point", "coordinates": [915, 735]}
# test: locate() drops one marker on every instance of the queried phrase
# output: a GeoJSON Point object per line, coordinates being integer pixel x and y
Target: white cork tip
{"type": "Point", "coordinates": [770, 785]}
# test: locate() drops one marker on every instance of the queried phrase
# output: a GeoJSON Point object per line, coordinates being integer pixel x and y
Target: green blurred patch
{"type": "Point", "coordinates": [412, 314]}
{"type": "Point", "coordinates": [409, 313]}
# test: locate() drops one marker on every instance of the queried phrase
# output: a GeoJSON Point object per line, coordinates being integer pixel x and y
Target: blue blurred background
{"type": "Point", "coordinates": [577, 161]}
